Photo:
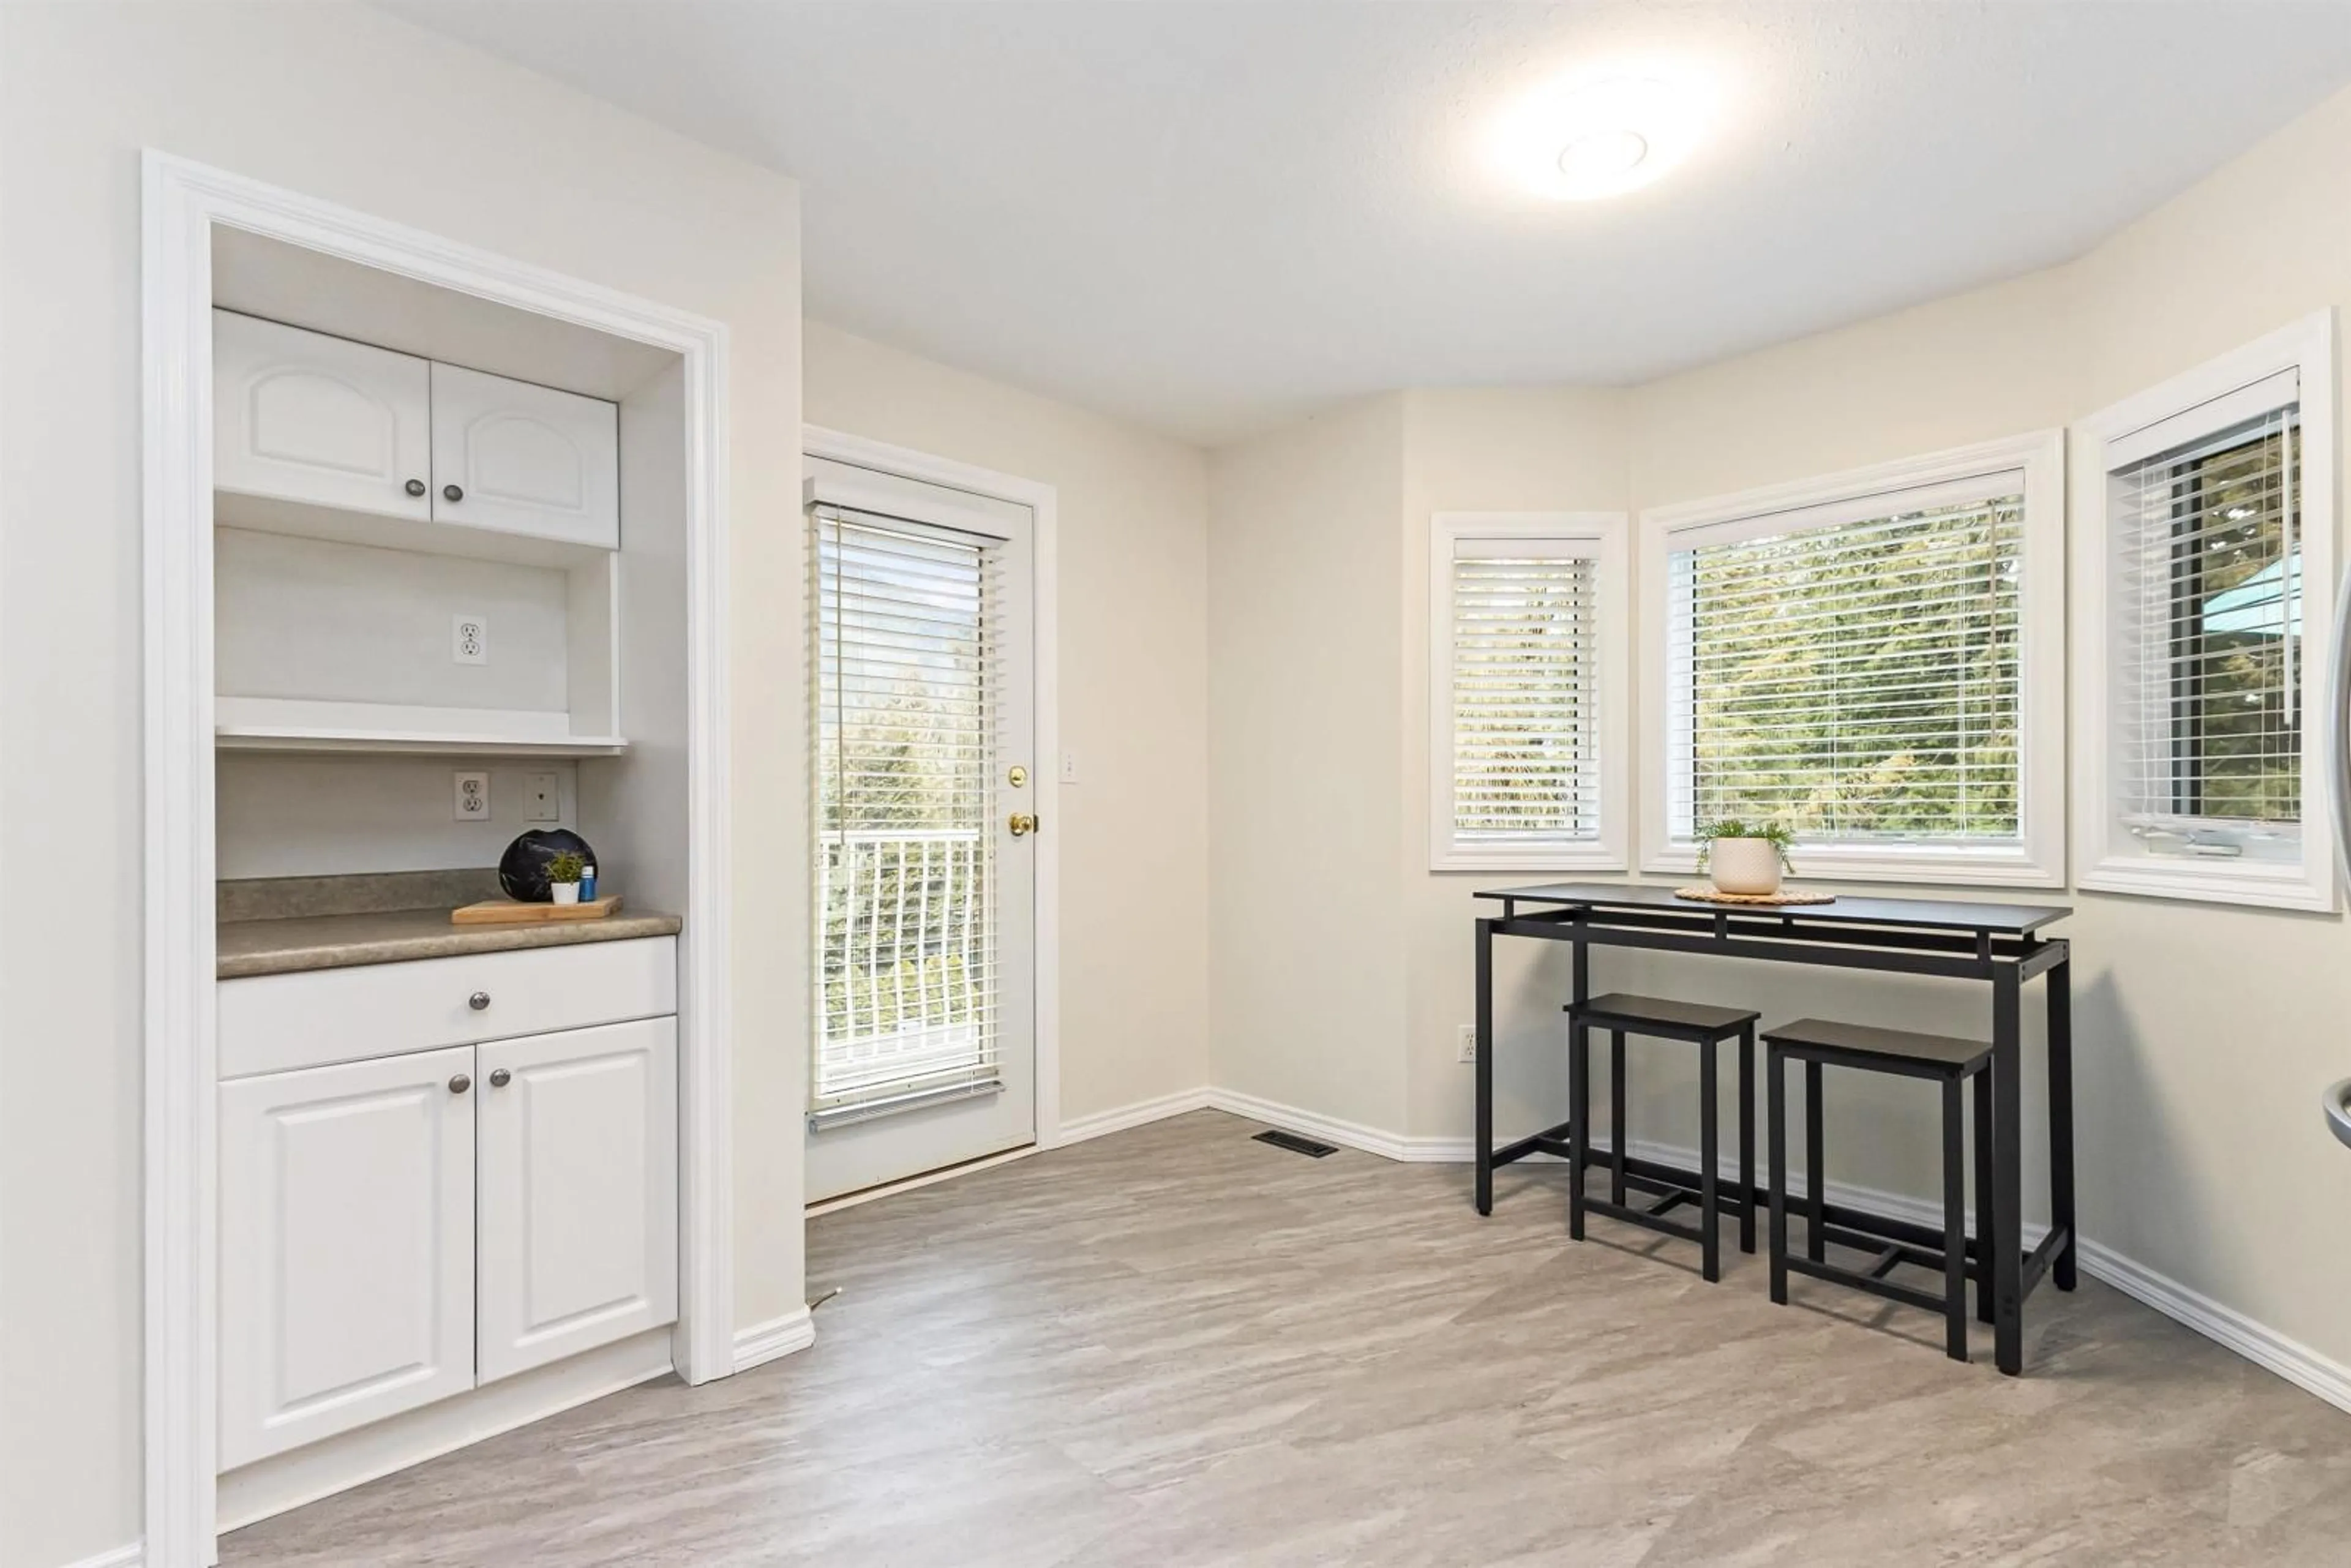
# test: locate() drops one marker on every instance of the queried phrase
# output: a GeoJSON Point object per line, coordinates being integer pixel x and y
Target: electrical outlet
{"type": "Point", "coordinates": [542, 798]}
{"type": "Point", "coordinates": [469, 639]}
{"type": "Point", "coordinates": [473, 797]}
{"type": "Point", "coordinates": [1069, 768]}
{"type": "Point", "coordinates": [1464, 1046]}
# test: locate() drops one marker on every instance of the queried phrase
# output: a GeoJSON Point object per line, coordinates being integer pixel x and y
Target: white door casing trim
{"type": "Point", "coordinates": [1040, 498]}
{"type": "Point", "coordinates": [182, 202]}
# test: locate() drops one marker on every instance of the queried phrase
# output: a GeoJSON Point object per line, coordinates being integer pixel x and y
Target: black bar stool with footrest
{"type": "Point", "coordinates": [1705, 1028]}
{"type": "Point", "coordinates": [1944, 1060]}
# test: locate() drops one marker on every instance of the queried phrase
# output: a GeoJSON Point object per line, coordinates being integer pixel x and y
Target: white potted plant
{"type": "Point", "coordinates": [1744, 858]}
{"type": "Point", "coordinates": [563, 872]}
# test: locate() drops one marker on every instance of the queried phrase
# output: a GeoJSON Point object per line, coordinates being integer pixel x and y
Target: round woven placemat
{"type": "Point", "coordinates": [1701, 893]}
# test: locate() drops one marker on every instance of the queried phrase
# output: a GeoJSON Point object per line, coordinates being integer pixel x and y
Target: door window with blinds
{"type": "Point", "coordinates": [1866, 669]}
{"type": "Point", "coordinates": [1526, 703]}
{"type": "Point", "coordinates": [906, 698]}
{"type": "Point", "coordinates": [2209, 579]}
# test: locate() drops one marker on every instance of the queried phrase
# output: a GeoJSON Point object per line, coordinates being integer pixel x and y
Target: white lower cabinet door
{"type": "Point", "coordinates": [578, 1229]}
{"type": "Point", "coordinates": [347, 1246]}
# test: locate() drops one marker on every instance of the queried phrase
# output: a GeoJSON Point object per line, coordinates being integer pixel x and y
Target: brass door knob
{"type": "Point", "coordinates": [1022, 824]}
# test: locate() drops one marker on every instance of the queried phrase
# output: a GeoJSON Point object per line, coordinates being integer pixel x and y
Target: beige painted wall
{"type": "Point", "coordinates": [1476, 450]}
{"type": "Point", "coordinates": [2205, 1034]}
{"type": "Point", "coordinates": [1133, 611]}
{"type": "Point", "coordinates": [1305, 706]}
{"type": "Point", "coordinates": [345, 103]}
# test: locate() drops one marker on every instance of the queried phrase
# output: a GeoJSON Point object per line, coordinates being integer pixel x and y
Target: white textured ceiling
{"type": "Point", "coordinates": [1207, 217]}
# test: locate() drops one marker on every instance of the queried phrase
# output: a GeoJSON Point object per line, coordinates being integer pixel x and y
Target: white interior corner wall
{"type": "Point", "coordinates": [1132, 613]}
{"type": "Point", "coordinates": [1306, 702]}
{"type": "Point", "coordinates": [1485, 449]}
{"type": "Point", "coordinates": [344, 103]}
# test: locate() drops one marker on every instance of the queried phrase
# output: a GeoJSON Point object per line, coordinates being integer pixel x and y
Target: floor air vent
{"type": "Point", "coordinates": [1297, 1145]}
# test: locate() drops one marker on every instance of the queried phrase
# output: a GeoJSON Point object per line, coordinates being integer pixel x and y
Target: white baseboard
{"type": "Point", "coordinates": [777, 1337]}
{"type": "Point", "coordinates": [2289, 1358]}
{"type": "Point", "coordinates": [1136, 1115]}
{"type": "Point", "coordinates": [130, 1556]}
{"type": "Point", "coordinates": [2297, 1362]}
{"type": "Point", "coordinates": [1329, 1129]}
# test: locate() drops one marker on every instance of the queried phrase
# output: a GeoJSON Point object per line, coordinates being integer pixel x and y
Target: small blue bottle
{"type": "Point", "coordinates": [588, 882]}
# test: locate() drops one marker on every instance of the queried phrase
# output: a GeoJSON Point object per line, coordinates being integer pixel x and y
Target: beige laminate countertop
{"type": "Point", "coordinates": [396, 936]}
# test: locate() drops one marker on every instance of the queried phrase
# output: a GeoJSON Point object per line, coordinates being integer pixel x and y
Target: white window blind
{"type": "Point", "coordinates": [906, 692]}
{"type": "Point", "coordinates": [1524, 693]}
{"type": "Point", "coordinates": [1853, 674]}
{"type": "Point", "coordinates": [2205, 617]}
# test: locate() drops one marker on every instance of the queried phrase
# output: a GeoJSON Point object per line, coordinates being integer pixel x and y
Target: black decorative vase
{"type": "Point", "coordinates": [522, 869]}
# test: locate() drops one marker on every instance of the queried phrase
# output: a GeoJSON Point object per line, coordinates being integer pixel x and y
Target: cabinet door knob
{"type": "Point", "coordinates": [460, 1083]}
{"type": "Point", "coordinates": [500, 1078]}
{"type": "Point", "coordinates": [452, 493]}
{"type": "Point", "coordinates": [479, 1001]}
{"type": "Point", "coordinates": [415, 486]}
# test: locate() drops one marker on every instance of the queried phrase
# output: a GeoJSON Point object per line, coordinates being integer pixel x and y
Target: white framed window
{"type": "Point", "coordinates": [1528, 666]}
{"type": "Point", "coordinates": [1873, 659]}
{"type": "Point", "coordinates": [2203, 576]}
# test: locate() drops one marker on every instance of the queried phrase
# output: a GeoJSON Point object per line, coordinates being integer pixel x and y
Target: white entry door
{"type": "Point", "coordinates": [923, 1049]}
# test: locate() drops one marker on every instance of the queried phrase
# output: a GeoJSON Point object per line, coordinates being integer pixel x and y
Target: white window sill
{"type": "Point", "coordinates": [1509, 859]}
{"type": "Point", "coordinates": [1940, 867]}
{"type": "Point", "coordinates": [2253, 884]}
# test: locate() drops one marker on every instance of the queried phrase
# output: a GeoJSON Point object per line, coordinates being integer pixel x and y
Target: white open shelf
{"type": "Point", "coordinates": [263, 724]}
{"type": "Point", "coordinates": [327, 644]}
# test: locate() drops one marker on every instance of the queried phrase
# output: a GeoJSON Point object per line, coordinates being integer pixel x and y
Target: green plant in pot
{"type": "Point", "coordinates": [1745, 857]}
{"type": "Point", "coordinates": [564, 870]}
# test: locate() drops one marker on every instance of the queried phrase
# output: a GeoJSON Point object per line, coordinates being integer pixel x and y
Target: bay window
{"type": "Point", "coordinates": [2203, 565]}
{"type": "Point", "coordinates": [1872, 661]}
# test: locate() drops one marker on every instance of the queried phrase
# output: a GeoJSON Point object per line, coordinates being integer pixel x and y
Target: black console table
{"type": "Point", "coordinates": [1998, 943]}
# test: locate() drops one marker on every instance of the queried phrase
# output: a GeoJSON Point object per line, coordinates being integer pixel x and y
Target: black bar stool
{"type": "Point", "coordinates": [1943, 1059]}
{"type": "Point", "coordinates": [1705, 1028]}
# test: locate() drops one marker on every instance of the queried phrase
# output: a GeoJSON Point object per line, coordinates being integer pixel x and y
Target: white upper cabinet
{"type": "Point", "coordinates": [301, 416]}
{"type": "Point", "coordinates": [347, 1247]}
{"type": "Point", "coordinates": [579, 1191]}
{"type": "Point", "coordinates": [524, 459]}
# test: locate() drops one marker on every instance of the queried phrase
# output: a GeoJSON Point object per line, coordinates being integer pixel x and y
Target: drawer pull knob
{"type": "Point", "coordinates": [500, 1078]}
{"type": "Point", "coordinates": [479, 1001]}
{"type": "Point", "coordinates": [460, 1083]}
{"type": "Point", "coordinates": [415, 486]}
{"type": "Point", "coordinates": [452, 493]}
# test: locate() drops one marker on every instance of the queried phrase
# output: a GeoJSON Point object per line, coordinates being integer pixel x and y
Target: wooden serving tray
{"type": "Point", "coordinates": [506, 912]}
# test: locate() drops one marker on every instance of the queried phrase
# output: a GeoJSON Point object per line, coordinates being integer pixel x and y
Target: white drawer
{"type": "Point", "coordinates": [275, 1023]}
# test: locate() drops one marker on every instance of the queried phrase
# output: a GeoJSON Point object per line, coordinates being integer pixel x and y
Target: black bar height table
{"type": "Point", "coordinates": [1999, 943]}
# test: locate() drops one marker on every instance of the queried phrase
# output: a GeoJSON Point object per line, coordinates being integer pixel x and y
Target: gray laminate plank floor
{"type": "Point", "coordinates": [1177, 1346]}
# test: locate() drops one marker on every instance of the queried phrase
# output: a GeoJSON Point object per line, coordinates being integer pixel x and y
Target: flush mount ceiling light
{"type": "Point", "coordinates": [1593, 137]}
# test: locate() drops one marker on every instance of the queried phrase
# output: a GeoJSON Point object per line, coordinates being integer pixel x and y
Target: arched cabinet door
{"type": "Point", "coordinates": [301, 416]}
{"type": "Point", "coordinates": [524, 459]}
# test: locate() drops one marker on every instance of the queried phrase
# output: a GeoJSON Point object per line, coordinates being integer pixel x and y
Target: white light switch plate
{"type": "Point", "coordinates": [473, 793]}
{"type": "Point", "coordinates": [1069, 768]}
{"type": "Point", "coordinates": [542, 798]}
